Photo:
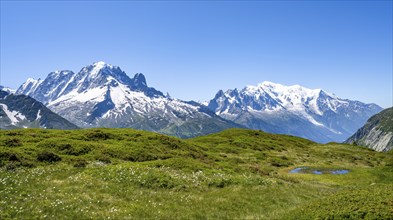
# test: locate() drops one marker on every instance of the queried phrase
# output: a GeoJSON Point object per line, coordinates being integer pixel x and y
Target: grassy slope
{"type": "Point", "coordinates": [237, 173]}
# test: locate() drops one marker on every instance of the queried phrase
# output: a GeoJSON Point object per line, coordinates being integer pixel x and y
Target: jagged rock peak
{"type": "Point", "coordinates": [220, 93]}
{"type": "Point", "coordinates": [139, 80]}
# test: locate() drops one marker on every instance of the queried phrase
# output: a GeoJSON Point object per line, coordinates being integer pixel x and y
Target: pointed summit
{"type": "Point", "coordinates": [168, 95]}
{"type": "Point", "coordinates": [101, 64]}
{"type": "Point", "coordinates": [139, 81]}
{"type": "Point", "coordinates": [102, 95]}
{"type": "Point", "coordinates": [219, 94]}
{"type": "Point", "coordinates": [96, 68]}
{"type": "Point", "coordinates": [139, 84]}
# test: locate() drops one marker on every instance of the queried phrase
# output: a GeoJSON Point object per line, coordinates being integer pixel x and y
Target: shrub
{"type": "Point", "coordinates": [98, 135]}
{"type": "Point", "coordinates": [280, 162]}
{"type": "Point", "coordinates": [156, 180]}
{"type": "Point", "coordinates": [104, 159]}
{"type": "Point", "coordinates": [12, 142]}
{"type": "Point", "coordinates": [64, 146]}
{"type": "Point", "coordinates": [81, 149]}
{"type": "Point", "coordinates": [11, 166]}
{"type": "Point", "coordinates": [81, 163]}
{"type": "Point", "coordinates": [13, 157]}
{"type": "Point", "coordinates": [47, 156]}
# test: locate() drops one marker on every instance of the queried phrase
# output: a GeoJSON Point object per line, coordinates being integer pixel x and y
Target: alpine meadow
{"type": "Point", "coordinates": [233, 174]}
{"type": "Point", "coordinates": [196, 110]}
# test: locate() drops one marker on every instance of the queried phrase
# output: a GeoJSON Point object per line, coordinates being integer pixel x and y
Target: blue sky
{"type": "Point", "coordinates": [193, 49]}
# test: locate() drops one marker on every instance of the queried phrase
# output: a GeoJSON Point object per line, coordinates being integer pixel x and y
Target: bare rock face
{"type": "Point", "coordinates": [377, 133]}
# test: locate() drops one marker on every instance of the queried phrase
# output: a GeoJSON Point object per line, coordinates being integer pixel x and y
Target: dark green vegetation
{"type": "Point", "coordinates": [385, 119]}
{"type": "Point", "coordinates": [234, 174]}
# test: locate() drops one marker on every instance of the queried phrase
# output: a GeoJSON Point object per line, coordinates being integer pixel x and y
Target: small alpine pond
{"type": "Point", "coordinates": [318, 171]}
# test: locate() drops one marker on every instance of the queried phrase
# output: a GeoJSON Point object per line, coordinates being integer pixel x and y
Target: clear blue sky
{"type": "Point", "coordinates": [193, 49]}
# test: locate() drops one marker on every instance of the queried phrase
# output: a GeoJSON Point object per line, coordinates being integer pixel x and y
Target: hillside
{"type": "Point", "coordinates": [377, 133]}
{"type": "Point", "coordinates": [237, 173]}
{"type": "Point", "coordinates": [21, 111]}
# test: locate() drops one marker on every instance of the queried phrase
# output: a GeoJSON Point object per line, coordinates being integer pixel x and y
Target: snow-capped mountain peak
{"type": "Point", "coordinates": [97, 67]}
{"type": "Point", "coordinates": [101, 94]}
{"type": "Point", "coordinates": [314, 106]}
{"type": "Point", "coordinates": [101, 64]}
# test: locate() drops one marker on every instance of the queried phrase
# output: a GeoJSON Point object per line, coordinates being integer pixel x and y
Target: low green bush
{"type": "Point", "coordinates": [80, 163]}
{"type": "Point", "coordinates": [12, 142]}
{"type": "Point", "coordinates": [47, 156]}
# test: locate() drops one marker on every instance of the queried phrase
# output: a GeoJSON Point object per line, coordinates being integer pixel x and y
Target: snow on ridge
{"type": "Point", "coordinates": [14, 116]}
{"type": "Point", "coordinates": [295, 98]}
{"type": "Point", "coordinates": [34, 85]}
{"type": "Point", "coordinates": [95, 94]}
{"type": "Point", "coordinates": [31, 80]}
{"type": "Point", "coordinates": [38, 115]}
{"type": "Point", "coordinates": [66, 85]}
{"type": "Point", "coordinates": [96, 69]}
{"type": "Point", "coordinates": [124, 98]}
{"type": "Point", "coordinates": [9, 90]}
{"type": "Point", "coordinates": [62, 72]}
{"type": "Point", "coordinates": [100, 63]}
{"type": "Point", "coordinates": [95, 83]}
{"type": "Point", "coordinates": [65, 72]}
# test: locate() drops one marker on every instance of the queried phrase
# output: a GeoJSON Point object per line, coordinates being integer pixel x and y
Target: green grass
{"type": "Point", "coordinates": [234, 174]}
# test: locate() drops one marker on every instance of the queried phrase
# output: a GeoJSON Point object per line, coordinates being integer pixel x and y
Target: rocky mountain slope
{"type": "Point", "coordinates": [295, 110]}
{"type": "Point", "coordinates": [377, 133]}
{"type": "Point", "coordinates": [21, 111]}
{"type": "Point", "coordinates": [102, 95]}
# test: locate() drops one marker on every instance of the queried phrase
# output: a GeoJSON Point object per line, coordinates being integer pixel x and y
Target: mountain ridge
{"type": "Point", "coordinates": [21, 111]}
{"type": "Point", "coordinates": [102, 95]}
{"type": "Point", "coordinates": [283, 109]}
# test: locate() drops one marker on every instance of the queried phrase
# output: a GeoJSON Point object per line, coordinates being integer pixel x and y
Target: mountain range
{"type": "Point", "coordinates": [102, 95]}
{"type": "Point", "coordinates": [309, 113]}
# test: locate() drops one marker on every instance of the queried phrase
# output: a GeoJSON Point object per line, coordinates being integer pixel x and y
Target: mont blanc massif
{"type": "Point", "coordinates": [102, 95]}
